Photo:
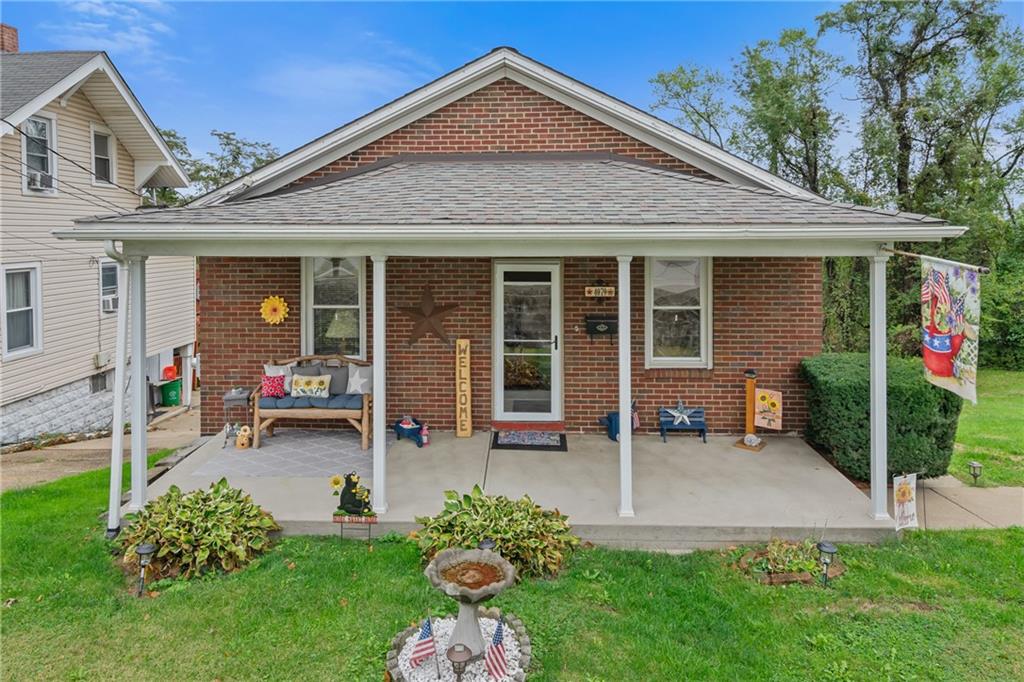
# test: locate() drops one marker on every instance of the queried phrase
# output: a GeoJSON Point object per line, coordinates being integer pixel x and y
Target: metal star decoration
{"type": "Point", "coordinates": [428, 317]}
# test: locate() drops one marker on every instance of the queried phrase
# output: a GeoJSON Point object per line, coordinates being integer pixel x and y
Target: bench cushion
{"type": "Point", "coordinates": [335, 402]}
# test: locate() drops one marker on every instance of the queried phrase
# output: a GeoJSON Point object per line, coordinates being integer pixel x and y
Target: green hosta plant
{"type": "Point", "coordinates": [217, 529]}
{"type": "Point", "coordinates": [534, 540]}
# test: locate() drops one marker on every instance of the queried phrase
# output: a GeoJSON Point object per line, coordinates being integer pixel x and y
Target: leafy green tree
{"type": "Point", "coordinates": [235, 156]}
{"type": "Point", "coordinates": [696, 95]}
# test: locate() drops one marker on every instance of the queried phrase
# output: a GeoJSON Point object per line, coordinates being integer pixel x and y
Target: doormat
{"type": "Point", "coordinates": [529, 440]}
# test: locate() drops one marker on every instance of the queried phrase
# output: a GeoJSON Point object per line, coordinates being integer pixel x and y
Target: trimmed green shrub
{"type": "Point", "coordinates": [534, 540]}
{"type": "Point", "coordinates": [922, 417]}
{"type": "Point", "coordinates": [220, 528]}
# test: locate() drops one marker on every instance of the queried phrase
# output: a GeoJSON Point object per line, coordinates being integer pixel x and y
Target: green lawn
{"type": "Point", "coordinates": [992, 432]}
{"type": "Point", "coordinates": [939, 606]}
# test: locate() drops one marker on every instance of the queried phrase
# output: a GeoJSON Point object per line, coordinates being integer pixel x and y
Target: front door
{"type": "Point", "coordinates": [528, 356]}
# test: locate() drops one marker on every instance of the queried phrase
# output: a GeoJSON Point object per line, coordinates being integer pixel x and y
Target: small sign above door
{"type": "Point", "coordinates": [599, 292]}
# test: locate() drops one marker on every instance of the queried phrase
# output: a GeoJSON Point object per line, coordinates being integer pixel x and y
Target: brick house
{"type": "Point", "coordinates": [512, 192]}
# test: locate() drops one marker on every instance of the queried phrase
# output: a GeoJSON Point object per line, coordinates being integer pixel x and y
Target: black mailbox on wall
{"type": "Point", "coordinates": [601, 325]}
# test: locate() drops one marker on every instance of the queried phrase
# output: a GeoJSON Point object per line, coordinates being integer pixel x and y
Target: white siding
{"type": "Point", "coordinates": [74, 329]}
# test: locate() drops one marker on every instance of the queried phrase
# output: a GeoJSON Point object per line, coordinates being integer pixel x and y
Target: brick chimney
{"type": "Point", "coordinates": [8, 38]}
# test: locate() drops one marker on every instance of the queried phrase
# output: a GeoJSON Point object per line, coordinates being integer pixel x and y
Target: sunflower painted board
{"type": "Point", "coordinates": [768, 409]}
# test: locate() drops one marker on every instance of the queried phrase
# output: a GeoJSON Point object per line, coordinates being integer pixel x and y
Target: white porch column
{"type": "Point", "coordinates": [137, 265]}
{"type": "Point", "coordinates": [117, 419]}
{"type": "Point", "coordinates": [186, 376]}
{"type": "Point", "coordinates": [380, 440]}
{"type": "Point", "coordinates": [625, 394]}
{"type": "Point", "coordinates": [879, 409]}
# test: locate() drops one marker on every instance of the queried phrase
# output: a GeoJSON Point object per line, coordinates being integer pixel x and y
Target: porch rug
{"type": "Point", "coordinates": [529, 440]}
{"type": "Point", "coordinates": [298, 453]}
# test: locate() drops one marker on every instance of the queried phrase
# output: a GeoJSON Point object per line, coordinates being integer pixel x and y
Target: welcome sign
{"type": "Point", "coordinates": [463, 390]}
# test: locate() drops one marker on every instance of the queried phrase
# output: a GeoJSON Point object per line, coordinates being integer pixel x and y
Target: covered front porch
{"type": "Point", "coordinates": [687, 494]}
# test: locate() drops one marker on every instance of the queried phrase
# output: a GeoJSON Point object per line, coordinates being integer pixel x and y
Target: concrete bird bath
{"type": "Point", "coordinates": [470, 577]}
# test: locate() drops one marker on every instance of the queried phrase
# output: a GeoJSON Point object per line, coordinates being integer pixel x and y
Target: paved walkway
{"type": "Point", "coordinates": [948, 503]}
{"type": "Point", "coordinates": [32, 467]}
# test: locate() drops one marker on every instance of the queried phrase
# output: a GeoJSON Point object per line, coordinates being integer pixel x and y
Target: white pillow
{"type": "Point", "coordinates": [360, 379]}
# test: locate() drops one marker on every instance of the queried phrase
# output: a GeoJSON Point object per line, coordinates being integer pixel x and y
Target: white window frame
{"type": "Point", "coordinates": [105, 263]}
{"type": "Point", "coordinates": [36, 269]}
{"type": "Point", "coordinates": [94, 129]}
{"type": "Point", "coordinates": [51, 119]}
{"type": "Point", "coordinates": [706, 326]}
{"type": "Point", "coordinates": [307, 305]}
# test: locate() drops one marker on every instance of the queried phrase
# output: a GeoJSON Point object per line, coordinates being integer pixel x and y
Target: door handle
{"type": "Point", "coordinates": [555, 342]}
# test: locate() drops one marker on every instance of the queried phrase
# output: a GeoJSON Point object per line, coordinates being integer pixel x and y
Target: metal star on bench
{"type": "Point", "coordinates": [428, 317]}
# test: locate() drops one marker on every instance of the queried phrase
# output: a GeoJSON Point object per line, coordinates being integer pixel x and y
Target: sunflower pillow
{"type": "Point", "coordinates": [311, 387]}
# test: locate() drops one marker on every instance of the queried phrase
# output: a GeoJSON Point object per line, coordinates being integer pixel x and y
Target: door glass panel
{"type": "Point", "coordinates": [527, 312]}
{"type": "Point", "coordinates": [527, 343]}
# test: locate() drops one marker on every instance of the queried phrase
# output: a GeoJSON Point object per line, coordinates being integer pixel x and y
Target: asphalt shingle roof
{"type": "Point", "coordinates": [26, 75]}
{"type": "Point", "coordinates": [526, 189]}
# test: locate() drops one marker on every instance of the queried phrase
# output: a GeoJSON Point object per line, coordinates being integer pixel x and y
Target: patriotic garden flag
{"type": "Point", "coordinates": [494, 656]}
{"type": "Point", "coordinates": [424, 647]}
{"type": "Point", "coordinates": [950, 316]}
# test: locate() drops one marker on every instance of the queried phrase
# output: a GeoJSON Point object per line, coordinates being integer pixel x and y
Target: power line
{"type": "Point", "coordinates": [87, 170]}
{"type": "Point", "coordinates": [61, 183]}
{"type": "Point", "coordinates": [49, 246]}
{"type": "Point", "coordinates": [105, 207]}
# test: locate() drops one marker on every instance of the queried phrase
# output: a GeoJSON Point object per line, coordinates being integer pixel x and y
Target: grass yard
{"type": "Point", "coordinates": [992, 432]}
{"type": "Point", "coordinates": [939, 606]}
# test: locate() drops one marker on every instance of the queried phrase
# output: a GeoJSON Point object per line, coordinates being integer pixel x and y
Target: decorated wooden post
{"type": "Point", "coordinates": [463, 390]}
{"type": "Point", "coordinates": [750, 441]}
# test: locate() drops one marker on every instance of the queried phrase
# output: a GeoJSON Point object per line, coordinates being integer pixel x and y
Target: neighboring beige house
{"type": "Point", "coordinates": [75, 142]}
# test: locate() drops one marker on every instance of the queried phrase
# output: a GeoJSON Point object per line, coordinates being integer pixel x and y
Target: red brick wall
{"type": "Point", "coordinates": [766, 314]}
{"type": "Point", "coordinates": [505, 117]}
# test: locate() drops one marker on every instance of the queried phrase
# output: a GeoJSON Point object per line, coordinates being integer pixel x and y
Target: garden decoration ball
{"type": "Point", "coordinates": [470, 577]}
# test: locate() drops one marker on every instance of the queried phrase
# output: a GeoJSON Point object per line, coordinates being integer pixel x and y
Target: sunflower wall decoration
{"type": "Point", "coordinates": [768, 409]}
{"type": "Point", "coordinates": [274, 310]}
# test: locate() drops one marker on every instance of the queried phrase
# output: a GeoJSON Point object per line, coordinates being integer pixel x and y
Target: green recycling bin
{"type": "Point", "coordinates": [170, 393]}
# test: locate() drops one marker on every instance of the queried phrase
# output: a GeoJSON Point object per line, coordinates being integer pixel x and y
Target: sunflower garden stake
{"type": "Point", "coordinates": [274, 309]}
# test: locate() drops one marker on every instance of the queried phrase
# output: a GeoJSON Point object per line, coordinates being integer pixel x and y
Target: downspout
{"type": "Point", "coordinates": [120, 372]}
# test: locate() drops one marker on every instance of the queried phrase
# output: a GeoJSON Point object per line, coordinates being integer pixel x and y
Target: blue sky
{"type": "Point", "coordinates": [288, 72]}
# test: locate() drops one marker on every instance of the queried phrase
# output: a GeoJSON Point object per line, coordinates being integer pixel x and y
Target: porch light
{"type": "Point", "coordinates": [145, 552]}
{"type": "Point", "coordinates": [826, 554]}
{"type": "Point", "coordinates": [487, 543]}
{"type": "Point", "coordinates": [459, 655]}
{"type": "Point", "coordinates": [975, 471]}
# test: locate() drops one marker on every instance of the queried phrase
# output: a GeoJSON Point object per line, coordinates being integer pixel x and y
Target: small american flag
{"type": "Point", "coordinates": [939, 289]}
{"type": "Point", "coordinates": [494, 656]}
{"type": "Point", "coordinates": [634, 416]}
{"type": "Point", "coordinates": [424, 647]}
{"type": "Point", "coordinates": [958, 311]}
{"type": "Point", "coordinates": [926, 289]}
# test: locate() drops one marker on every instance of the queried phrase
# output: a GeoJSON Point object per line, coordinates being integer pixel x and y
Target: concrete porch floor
{"type": "Point", "coordinates": [686, 494]}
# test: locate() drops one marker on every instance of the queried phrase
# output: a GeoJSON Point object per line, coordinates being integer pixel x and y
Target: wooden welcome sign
{"type": "Point", "coordinates": [463, 390]}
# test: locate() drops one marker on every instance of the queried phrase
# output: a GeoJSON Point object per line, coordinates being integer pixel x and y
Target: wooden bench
{"type": "Point", "coordinates": [360, 418]}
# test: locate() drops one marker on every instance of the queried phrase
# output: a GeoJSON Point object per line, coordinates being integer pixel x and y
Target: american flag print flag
{"type": "Point", "coordinates": [424, 647]}
{"type": "Point", "coordinates": [940, 289]}
{"type": "Point", "coordinates": [494, 656]}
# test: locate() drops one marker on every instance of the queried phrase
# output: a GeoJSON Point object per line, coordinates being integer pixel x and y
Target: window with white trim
{"type": "Point", "coordinates": [108, 286]}
{"type": "Point", "coordinates": [333, 310]}
{"type": "Point", "coordinates": [38, 142]}
{"type": "Point", "coordinates": [103, 154]}
{"type": "Point", "coordinates": [677, 312]}
{"type": "Point", "coordinates": [22, 310]}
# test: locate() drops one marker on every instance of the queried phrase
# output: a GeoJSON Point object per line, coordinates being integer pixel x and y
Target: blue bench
{"type": "Point", "coordinates": [694, 414]}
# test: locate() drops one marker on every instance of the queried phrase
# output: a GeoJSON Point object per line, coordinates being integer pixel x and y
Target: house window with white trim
{"type": "Point", "coordinates": [38, 144]}
{"type": "Point", "coordinates": [108, 287]}
{"type": "Point", "coordinates": [678, 312]}
{"type": "Point", "coordinates": [334, 313]}
{"type": "Point", "coordinates": [103, 150]}
{"type": "Point", "coordinates": [22, 310]}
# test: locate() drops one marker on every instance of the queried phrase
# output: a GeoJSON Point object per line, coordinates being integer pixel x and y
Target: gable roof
{"type": "Point", "coordinates": [519, 195]}
{"type": "Point", "coordinates": [31, 80]}
{"type": "Point", "coordinates": [502, 62]}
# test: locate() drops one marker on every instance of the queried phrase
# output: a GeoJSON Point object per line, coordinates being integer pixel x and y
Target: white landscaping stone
{"type": "Point", "coordinates": [443, 627]}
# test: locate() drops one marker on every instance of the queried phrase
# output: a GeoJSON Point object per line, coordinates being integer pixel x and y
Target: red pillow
{"type": "Point", "coordinates": [272, 387]}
